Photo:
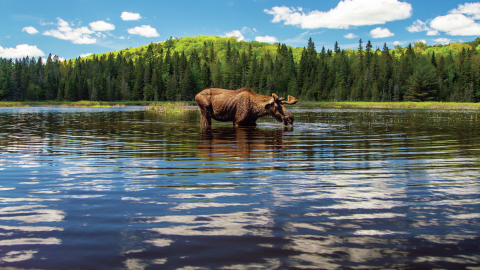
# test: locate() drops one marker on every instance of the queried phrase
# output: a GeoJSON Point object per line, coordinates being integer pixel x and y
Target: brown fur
{"type": "Point", "coordinates": [242, 106]}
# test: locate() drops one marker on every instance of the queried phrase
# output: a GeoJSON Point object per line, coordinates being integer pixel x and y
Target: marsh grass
{"type": "Point", "coordinates": [399, 105]}
{"type": "Point", "coordinates": [169, 108]}
{"type": "Point", "coordinates": [90, 104]}
{"type": "Point", "coordinates": [12, 104]}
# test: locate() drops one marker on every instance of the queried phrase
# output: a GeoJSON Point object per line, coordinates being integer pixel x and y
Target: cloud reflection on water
{"type": "Point", "coordinates": [151, 193]}
{"type": "Point", "coordinates": [255, 222]}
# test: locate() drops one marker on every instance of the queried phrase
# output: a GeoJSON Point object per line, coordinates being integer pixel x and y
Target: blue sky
{"type": "Point", "coordinates": [71, 28]}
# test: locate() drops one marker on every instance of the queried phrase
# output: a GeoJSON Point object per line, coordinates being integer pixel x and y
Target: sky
{"type": "Point", "coordinates": [73, 28]}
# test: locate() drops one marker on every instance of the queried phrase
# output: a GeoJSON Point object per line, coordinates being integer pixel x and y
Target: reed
{"type": "Point", "coordinates": [168, 107]}
{"type": "Point", "coordinates": [12, 104]}
{"type": "Point", "coordinates": [89, 104]}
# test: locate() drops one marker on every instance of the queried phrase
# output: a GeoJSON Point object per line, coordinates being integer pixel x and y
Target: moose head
{"type": "Point", "coordinates": [278, 111]}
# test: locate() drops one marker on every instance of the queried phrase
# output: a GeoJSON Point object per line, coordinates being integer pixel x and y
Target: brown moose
{"type": "Point", "coordinates": [242, 106]}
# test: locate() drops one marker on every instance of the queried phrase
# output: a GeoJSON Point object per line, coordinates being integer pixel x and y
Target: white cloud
{"type": "Point", "coordinates": [144, 30]}
{"type": "Point", "coordinates": [235, 33]}
{"type": "Point", "coordinates": [80, 35]}
{"type": "Point", "coordinates": [268, 39]}
{"type": "Point", "coordinates": [418, 26]}
{"type": "Point", "coordinates": [129, 16]}
{"type": "Point", "coordinates": [398, 43]}
{"type": "Point", "coordinates": [101, 26]}
{"type": "Point", "coordinates": [456, 25]}
{"type": "Point", "coordinates": [85, 54]}
{"type": "Point", "coordinates": [443, 41]}
{"type": "Point", "coordinates": [30, 30]}
{"type": "Point", "coordinates": [472, 9]}
{"type": "Point", "coordinates": [22, 50]}
{"type": "Point", "coordinates": [381, 33]}
{"type": "Point", "coordinates": [350, 35]}
{"type": "Point", "coordinates": [347, 13]}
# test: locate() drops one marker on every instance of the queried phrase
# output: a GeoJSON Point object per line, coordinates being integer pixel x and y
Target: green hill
{"type": "Point", "coordinates": [177, 69]}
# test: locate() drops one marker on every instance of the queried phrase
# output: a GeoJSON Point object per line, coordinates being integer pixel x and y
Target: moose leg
{"type": "Point", "coordinates": [206, 118]}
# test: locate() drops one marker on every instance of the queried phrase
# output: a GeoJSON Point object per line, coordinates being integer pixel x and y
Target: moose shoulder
{"type": "Point", "coordinates": [242, 106]}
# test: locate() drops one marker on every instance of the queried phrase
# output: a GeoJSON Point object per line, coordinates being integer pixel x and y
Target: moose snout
{"type": "Point", "coordinates": [288, 121]}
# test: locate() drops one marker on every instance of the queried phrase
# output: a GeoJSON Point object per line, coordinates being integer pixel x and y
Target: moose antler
{"type": "Point", "coordinates": [291, 100]}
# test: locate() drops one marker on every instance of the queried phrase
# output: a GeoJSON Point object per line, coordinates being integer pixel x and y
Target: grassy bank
{"type": "Point", "coordinates": [158, 105]}
{"type": "Point", "coordinates": [89, 104]}
{"type": "Point", "coordinates": [398, 105]}
{"type": "Point", "coordinates": [169, 107]}
{"type": "Point", "coordinates": [81, 104]}
{"type": "Point", "coordinates": [12, 104]}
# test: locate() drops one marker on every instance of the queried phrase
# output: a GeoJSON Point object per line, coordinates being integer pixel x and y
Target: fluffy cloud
{"type": "Point", "coordinates": [381, 33]}
{"type": "Point", "coordinates": [144, 30]}
{"type": "Point", "coordinates": [30, 30]}
{"type": "Point", "coordinates": [472, 9]}
{"type": "Point", "coordinates": [350, 35]}
{"type": "Point", "coordinates": [85, 54]}
{"type": "Point", "coordinates": [419, 26]}
{"type": "Point", "coordinates": [235, 33]}
{"type": "Point", "coordinates": [443, 41]}
{"type": "Point", "coordinates": [456, 25]}
{"type": "Point", "coordinates": [459, 22]}
{"type": "Point", "coordinates": [268, 39]}
{"type": "Point", "coordinates": [20, 51]}
{"type": "Point", "coordinates": [101, 26]}
{"type": "Point", "coordinates": [347, 13]}
{"type": "Point", "coordinates": [398, 43]}
{"type": "Point", "coordinates": [79, 35]}
{"type": "Point", "coordinates": [129, 16]}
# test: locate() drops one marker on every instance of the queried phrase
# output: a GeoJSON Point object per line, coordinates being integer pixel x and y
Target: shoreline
{"type": "Point", "coordinates": [343, 105]}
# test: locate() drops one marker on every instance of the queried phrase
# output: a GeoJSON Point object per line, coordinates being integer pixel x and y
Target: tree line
{"type": "Point", "coordinates": [177, 69]}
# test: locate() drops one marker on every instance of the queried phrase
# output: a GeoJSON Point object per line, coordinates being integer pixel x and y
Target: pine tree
{"type": "Point", "coordinates": [423, 84]}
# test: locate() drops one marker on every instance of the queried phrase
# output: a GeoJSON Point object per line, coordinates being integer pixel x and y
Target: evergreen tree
{"type": "Point", "coordinates": [423, 84]}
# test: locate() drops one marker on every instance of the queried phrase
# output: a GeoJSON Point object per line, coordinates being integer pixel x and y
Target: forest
{"type": "Point", "coordinates": [177, 69]}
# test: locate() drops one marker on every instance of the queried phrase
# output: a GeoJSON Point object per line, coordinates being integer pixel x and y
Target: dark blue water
{"type": "Point", "coordinates": [343, 189]}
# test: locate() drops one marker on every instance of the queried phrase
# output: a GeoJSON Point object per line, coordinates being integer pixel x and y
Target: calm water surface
{"type": "Point", "coordinates": [343, 189]}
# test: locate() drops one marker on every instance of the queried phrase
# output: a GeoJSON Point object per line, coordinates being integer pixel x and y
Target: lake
{"type": "Point", "coordinates": [344, 188]}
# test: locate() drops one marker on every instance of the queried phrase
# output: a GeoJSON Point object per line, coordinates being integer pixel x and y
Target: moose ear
{"type": "Point", "coordinates": [269, 104]}
{"type": "Point", "coordinates": [275, 97]}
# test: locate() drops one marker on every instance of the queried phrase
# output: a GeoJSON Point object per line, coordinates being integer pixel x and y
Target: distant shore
{"type": "Point", "coordinates": [398, 105]}
{"type": "Point", "coordinates": [345, 105]}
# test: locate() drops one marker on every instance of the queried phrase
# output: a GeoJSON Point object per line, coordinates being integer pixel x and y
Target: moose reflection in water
{"type": "Point", "coordinates": [241, 142]}
{"type": "Point", "coordinates": [242, 106]}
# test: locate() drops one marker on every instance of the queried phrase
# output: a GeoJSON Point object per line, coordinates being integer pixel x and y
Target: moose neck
{"type": "Point", "coordinates": [259, 107]}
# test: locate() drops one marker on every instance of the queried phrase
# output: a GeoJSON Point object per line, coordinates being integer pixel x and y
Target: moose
{"type": "Point", "coordinates": [242, 106]}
